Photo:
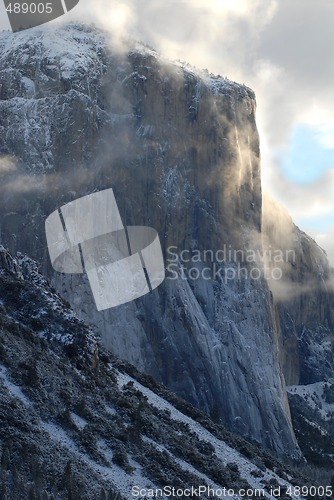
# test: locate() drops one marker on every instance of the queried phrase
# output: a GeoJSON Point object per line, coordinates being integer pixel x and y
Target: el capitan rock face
{"type": "Point", "coordinates": [181, 151]}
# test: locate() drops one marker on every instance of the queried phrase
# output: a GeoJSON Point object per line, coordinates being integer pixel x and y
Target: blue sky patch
{"type": "Point", "coordinates": [306, 157]}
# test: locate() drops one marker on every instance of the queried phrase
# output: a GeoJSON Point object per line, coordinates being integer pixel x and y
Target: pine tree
{"type": "Point", "coordinates": [103, 495]}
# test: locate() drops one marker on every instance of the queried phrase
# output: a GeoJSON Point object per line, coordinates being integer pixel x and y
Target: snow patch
{"type": "Point", "coordinates": [78, 421]}
{"type": "Point", "coordinates": [14, 390]}
{"type": "Point", "coordinates": [225, 453]}
{"type": "Point", "coordinates": [313, 394]}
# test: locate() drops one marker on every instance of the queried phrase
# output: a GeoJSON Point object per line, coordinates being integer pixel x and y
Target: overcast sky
{"type": "Point", "coordinates": [284, 50]}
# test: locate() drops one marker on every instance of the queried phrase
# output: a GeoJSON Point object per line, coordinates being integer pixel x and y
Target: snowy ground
{"type": "Point", "coordinates": [225, 453]}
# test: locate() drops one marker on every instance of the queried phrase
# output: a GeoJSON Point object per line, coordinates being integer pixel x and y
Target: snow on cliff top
{"type": "Point", "coordinates": [76, 46]}
{"type": "Point", "coordinates": [70, 46]}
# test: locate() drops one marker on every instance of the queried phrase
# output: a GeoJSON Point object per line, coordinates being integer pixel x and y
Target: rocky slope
{"type": "Point", "coordinates": [312, 408]}
{"type": "Point", "coordinates": [181, 151]}
{"type": "Point", "coordinates": [78, 423]}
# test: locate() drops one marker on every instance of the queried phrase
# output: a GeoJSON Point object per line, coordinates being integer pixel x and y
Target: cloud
{"type": "Point", "coordinates": [24, 184]}
{"type": "Point", "coordinates": [325, 240]}
{"type": "Point", "coordinates": [300, 39]}
{"type": "Point", "coordinates": [299, 42]}
{"type": "Point", "coordinates": [8, 164]}
{"type": "Point", "coordinates": [304, 200]}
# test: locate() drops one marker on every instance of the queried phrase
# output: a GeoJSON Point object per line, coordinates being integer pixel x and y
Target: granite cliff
{"type": "Point", "coordinates": [180, 149]}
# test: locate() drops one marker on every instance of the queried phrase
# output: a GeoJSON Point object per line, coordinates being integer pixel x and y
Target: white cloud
{"type": "Point", "coordinates": [325, 240]}
{"type": "Point", "coordinates": [8, 164]}
{"type": "Point", "coordinates": [304, 200]}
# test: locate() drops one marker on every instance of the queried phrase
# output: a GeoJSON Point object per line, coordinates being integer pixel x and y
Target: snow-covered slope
{"type": "Point", "coordinates": [312, 408]}
{"type": "Point", "coordinates": [75, 424]}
